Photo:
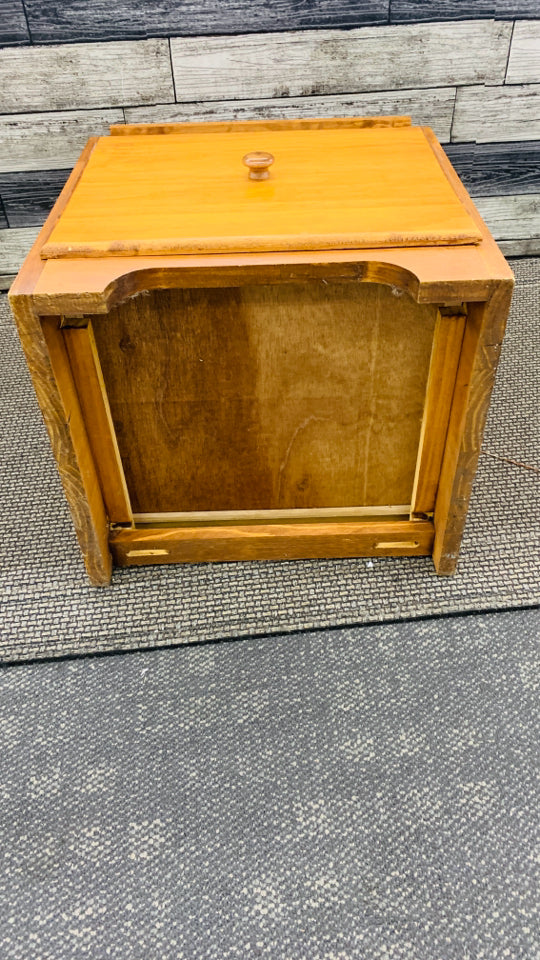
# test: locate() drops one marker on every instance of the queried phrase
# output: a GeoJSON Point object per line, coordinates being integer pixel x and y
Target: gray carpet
{"type": "Point", "coordinates": [358, 794]}
{"type": "Point", "coordinates": [49, 608]}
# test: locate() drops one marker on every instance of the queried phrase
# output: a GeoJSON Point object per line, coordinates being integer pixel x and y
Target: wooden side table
{"type": "Point", "coordinates": [268, 340]}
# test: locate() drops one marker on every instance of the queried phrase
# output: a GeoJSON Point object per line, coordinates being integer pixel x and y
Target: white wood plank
{"type": "Point", "coordinates": [309, 63]}
{"type": "Point", "coordinates": [50, 141]}
{"type": "Point", "coordinates": [524, 62]}
{"type": "Point", "coordinates": [497, 114]}
{"type": "Point", "coordinates": [432, 108]}
{"type": "Point", "coordinates": [83, 75]}
{"type": "Point", "coordinates": [6, 279]}
{"type": "Point", "coordinates": [14, 246]}
{"type": "Point", "coordinates": [513, 217]}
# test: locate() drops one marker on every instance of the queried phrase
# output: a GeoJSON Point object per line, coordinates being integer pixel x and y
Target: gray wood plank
{"type": "Point", "coordinates": [13, 27]}
{"type": "Point", "coordinates": [511, 218]}
{"type": "Point", "coordinates": [28, 196]}
{"type": "Point", "coordinates": [431, 108]}
{"type": "Point", "coordinates": [3, 219]}
{"type": "Point", "coordinates": [6, 279]}
{"type": "Point", "coordinates": [14, 246]}
{"type": "Point", "coordinates": [497, 113]}
{"type": "Point", "coordinates": [331, 62]}
{"type": "Point", "coordinates": [44, 141]}
{"type": "Point", "coordinates": [415, 11]}
{"type": "Point", "coordinates": [76, 20]}
{"type": "Point", "coordinates": [496, 169]}
{"type": "Point", "coordinates": [521, 248]}
{"type": "Point", "coordinates": [524, 62]}
{"type": "Point", "coordinates": [85, 75]}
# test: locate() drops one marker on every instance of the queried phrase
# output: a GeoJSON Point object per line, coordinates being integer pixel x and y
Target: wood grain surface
{"type": "Point", "coordinates": [29, 196]}
{"type": "Point", "coordinates": [524, 52]}
{"type": "Point", "coordinates": [85, 75]}
{"type": "Point", "coordinates": [267, 397]}
{"type": "Point", "coordinates": [73, 20]}
{"type": "Point", "coordinates": [510, 218]}
{"type": "Point", "coordinates": [496, 169]}
{"type": "Point", "coordinates": [46, 141]}
{"type": "Point", "coordinates": [13, 26]}
{"type": "Point", "coordinates": [272, 542]}
{"type": "Point", "coordinates": [328, 189]}
{"type": "Point", "coordinates": [497, 114]}
{"type": "Point", "coordinates": [332, 62]}
{"type": "Point", "coordinates": [434, 108]}
{"type": "Point", "coordinates": [3, 218]}
{"type": "Point", "coordinates": [14, 246]}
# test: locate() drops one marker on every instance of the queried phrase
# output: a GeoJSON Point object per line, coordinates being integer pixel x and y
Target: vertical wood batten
{"type": "Point", "coordinates": [51, 377]}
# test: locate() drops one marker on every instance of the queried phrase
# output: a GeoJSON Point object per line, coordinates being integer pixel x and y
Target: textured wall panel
{"type": "Point", "coordinates": [3, 218]}
{"type": "Point", "coordinates": [524, 62]}
{"type": "Point", "coordinates": [85, 75]}
{"type": "Point", "coordinates": [432, 108]}
{"type": "Point", "coordinates": [43, 141]}
{"type": "Point", "coordinates": [489, 114]}
{"type": "Point", "coordinates": [14, 245]}
{"type": "Point", "coordinates": [13, 28]}
{"type": "Point", "coordinates": [28, 197]}
{"type": "Point", "coordinates": [512, 218]}
{"type": "Point", "coordinates": [75, 20]}
{"type": "Point", "coordinates": [408, 11]}
{"type": "Point", "coordinates": [497, 169]}
{"type": "Point", "coordinates": [331, 62]}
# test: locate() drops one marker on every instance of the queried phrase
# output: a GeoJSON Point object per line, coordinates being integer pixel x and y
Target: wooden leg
{"type": "Point", "coordinates": [51, 374]}
{"type": "Point", "coordinates": [476, 374]}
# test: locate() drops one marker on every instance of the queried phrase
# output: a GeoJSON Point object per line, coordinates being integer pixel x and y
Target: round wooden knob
{"type": "Point", "coordinates": [257, 163]}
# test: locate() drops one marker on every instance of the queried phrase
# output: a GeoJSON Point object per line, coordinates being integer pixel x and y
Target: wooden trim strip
{"type": "Point", "coordinates": [249, 126]}
{"type": "Point", "coordinates": [272, 542]}
{"type": "Point", "coordinates": [447, 342]}
{"type": "Point", "coordinates": [88, 377]}
{"type": "Point", "coordinates": [245, 516]}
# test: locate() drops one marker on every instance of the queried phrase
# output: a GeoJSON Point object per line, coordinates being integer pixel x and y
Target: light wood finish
{"type": "Point", "coordinates": [300, 64]}
{"type": "Point", "coordinates": [88, 377]}
{"type": "Point", "coordinates": [440, 391]}
{"type": "Point", "coordinates": [51, 375]}
{"type": "Point", "coordinates": [432, 107]}
{"type": "Point", "coordinates": [225, 517]}
{"type": "Point", "coordinates": [263, 125]}
{"type": "Point", "coordinates": [450, 276]}
{"type": "Point", "coordinates": [328, 189]}
{"type": "Point", "coordinates": [478, 364]}
{"type": "Point", "coordinates": [267, 396]}
{"type": "Point", "coordinates": [272, 542]}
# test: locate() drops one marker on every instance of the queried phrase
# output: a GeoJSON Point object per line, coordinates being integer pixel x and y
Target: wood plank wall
{"type": "Point", "coordinates": [468, 68]}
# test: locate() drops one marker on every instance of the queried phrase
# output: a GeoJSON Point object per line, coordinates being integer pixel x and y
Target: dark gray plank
{"type": "Point", "coordinates": [411, 11]}
{"type": "Point", "coordinates": [13, 28]}
{"type": "Point", "coordinates": [72, 20]}
{"type": "Point", "coordinates": [3, 218]}
{"type": "Point", "coordinates": [497, 169]}
{"type": "Point", "coordinates": [28, 196]}
{"type": "Point", "coordinates": [417, 11]}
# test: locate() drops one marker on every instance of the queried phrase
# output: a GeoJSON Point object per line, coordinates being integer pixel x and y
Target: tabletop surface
{"type": "Point", "coordinates": [189, 193]}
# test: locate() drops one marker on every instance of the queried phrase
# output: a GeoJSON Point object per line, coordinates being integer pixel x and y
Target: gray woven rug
{"type": "Point", "coordinates": [50, 610]}
{"type": "Point", "coordinates": [360, 794]}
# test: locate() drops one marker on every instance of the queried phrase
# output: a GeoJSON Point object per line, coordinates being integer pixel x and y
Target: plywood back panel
{"type": "Point", "coordinates": [267, 397]}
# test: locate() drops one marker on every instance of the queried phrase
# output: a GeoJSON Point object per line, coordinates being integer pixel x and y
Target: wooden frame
{"type": "Point", "coordinates": [53, 302]}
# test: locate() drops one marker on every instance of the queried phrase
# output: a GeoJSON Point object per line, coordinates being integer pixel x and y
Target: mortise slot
{"type": "Point", "coordinates": [396, 544]}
